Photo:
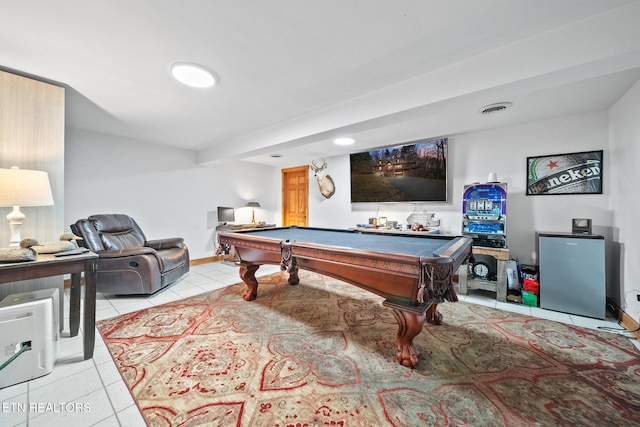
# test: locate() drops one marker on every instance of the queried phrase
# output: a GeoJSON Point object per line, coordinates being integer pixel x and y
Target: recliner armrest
{"type": "Point", "coordinates": [121, 253]}
{"type": "Point", "coordinates": [171, 242]}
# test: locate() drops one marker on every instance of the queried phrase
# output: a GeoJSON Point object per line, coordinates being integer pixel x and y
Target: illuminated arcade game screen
{"type": "Point", "coordinates": [484, 209]}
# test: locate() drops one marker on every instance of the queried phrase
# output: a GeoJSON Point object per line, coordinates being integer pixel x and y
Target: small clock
{"type": "Point", "coordinates": [581, 226]}
{"type": "Point", "coordinates": [480, 269]}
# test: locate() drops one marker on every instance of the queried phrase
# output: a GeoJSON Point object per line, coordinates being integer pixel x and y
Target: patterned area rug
{"type": "Point", "coordinates": [322, 353]}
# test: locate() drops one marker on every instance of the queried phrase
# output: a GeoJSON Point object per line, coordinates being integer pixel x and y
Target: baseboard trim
{"type": "Point", "coordinates": [630, 324]}
{"type": "Point", "coordinates": [206, 260]}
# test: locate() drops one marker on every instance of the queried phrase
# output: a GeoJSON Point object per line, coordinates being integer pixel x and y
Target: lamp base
{"type": "Point", "coordinates": [15, 218]}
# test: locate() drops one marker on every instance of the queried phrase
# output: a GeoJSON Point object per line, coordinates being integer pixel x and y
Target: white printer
{"type": "Point", "coordinates": [29, 334]}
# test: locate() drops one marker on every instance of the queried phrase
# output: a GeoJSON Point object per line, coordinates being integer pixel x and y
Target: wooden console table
{"type": "Point", "coordinates": [48, 266]}
{"type": "Point", "coordinates": [499, 286]}
{"type": "Point", "coordinates": [393, 230]}
{"type": "Point", "coordinates": [236, 227]}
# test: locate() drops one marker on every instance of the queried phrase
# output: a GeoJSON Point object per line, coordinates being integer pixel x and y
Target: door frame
{"type": "Point", "coordinates": [284, 173]}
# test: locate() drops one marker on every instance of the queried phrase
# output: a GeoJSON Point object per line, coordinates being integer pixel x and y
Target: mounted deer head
{"type": "Point", "coordinates": [327, 187]}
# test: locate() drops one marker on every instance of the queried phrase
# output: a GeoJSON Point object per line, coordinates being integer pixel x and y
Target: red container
{"type": "Point", "coordinates": [531, 285]}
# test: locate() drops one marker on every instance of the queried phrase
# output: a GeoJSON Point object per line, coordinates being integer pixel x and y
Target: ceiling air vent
{"type": "Point", "coordinates": [495, 108]}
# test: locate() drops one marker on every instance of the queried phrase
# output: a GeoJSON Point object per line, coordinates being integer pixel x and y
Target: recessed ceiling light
{"type": "Point", "coordinates": [495, 108]}
{"type": "Point", "coordinates": [344, 141]}
{"type": "Point", "coordinates": [275, 156]}
{"type": "Point", "coordinates": [193, 75]}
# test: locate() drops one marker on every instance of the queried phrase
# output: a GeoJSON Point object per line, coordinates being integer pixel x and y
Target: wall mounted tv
{"type": "Point", "coordinates": [412, 172]}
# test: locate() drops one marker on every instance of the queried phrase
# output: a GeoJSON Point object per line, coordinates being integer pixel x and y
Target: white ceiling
{"type": "Point", "coordinates": [294, 74]}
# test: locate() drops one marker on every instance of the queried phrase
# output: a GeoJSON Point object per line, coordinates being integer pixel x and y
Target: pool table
{"type": "Point", "coordinates": [412, 272]}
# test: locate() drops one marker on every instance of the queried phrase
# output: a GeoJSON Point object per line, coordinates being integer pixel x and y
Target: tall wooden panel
{"type": "Point", "coordinates": [32, 137]}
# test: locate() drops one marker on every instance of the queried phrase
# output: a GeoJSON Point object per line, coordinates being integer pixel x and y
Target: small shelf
{"type": "Point", "coordinates": [499, 286]}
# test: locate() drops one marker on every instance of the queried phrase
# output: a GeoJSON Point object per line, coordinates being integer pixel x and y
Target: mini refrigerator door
{"type": "Point", "coordinates": [572, 274]}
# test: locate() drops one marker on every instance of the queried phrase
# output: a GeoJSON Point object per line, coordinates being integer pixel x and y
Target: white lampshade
{"type": "Point", "coordinates": [24, 187]}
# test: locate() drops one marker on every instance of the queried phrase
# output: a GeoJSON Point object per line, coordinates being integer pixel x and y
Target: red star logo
{"type": "Point", "coordinates": [552, 164]}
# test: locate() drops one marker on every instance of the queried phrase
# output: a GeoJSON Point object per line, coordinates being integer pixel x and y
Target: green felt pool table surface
{"type": "Point", "coordinates": [419, 245]}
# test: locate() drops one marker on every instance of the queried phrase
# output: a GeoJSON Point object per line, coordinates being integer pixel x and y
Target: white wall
{"type": "Point", "coordinates": [625, 200]}
{"type": "Point", "coordinates": [170, 195]}
{"type": "Point", "coordinates": [471, 157]}
{"type": "Point", "coordinates": [163, 188]}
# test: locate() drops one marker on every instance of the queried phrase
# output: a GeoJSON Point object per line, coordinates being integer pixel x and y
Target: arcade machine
{"type": "Point", "coordinates": [484, 219]}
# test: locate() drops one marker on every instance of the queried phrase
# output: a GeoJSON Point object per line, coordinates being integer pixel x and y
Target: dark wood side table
{"type": "Point", "coordinates": [49, 265]}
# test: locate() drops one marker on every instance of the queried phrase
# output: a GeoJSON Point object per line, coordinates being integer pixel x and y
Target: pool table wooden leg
{"type": "Point", "coordinates": [294, 279]}
{"type": "Point", "coordinates": [248, 276]}
{"type": "Point", "coordinates": [433, 315]}
{"type": "Point", "coordinates": [409, 326]}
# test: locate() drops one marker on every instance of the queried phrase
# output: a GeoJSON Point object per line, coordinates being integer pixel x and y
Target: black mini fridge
{"type": "Point", "coordinates": [572, 273]}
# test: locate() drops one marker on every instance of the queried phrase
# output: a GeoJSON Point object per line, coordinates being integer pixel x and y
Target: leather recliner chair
{"type": "Point", "coordinates": [128, 263]}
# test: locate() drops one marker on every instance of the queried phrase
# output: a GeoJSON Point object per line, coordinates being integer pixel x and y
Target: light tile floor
{"type": "Point", "coordinates": [92, 393]}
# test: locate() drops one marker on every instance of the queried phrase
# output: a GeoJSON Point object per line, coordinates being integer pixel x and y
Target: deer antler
{"type": "Point", "coordinates": [317, 168]}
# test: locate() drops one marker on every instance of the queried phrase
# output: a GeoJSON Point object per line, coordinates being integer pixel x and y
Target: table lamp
{"type": "Point", "coordinates": [23, 187]}
{"type": "Point", "coordinates": [253, 205]}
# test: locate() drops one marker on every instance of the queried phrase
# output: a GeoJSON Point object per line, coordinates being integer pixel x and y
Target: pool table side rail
{"type": "Point", "coordinates": [391, 276]}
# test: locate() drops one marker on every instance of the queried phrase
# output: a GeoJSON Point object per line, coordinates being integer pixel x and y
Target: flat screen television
{"type": "Point", "coordinates": [412, 172]}
{"type": "Point", "coordinates": [226, 214]}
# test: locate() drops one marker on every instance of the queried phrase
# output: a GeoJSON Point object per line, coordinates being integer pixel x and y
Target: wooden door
{"type": "Point", "coordinates": [295, 196]}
